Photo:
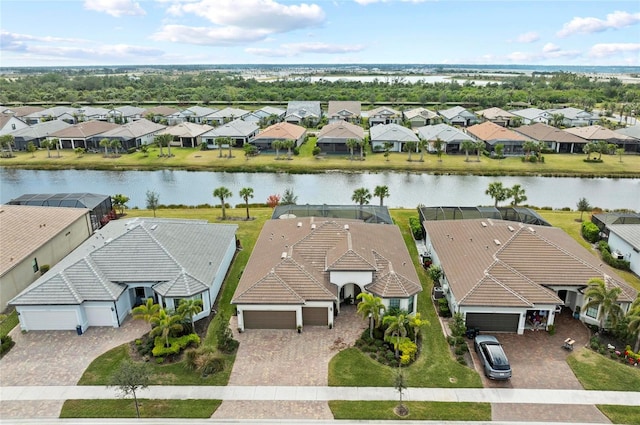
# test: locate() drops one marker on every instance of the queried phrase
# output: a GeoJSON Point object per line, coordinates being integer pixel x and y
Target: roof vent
{"type": "Point", "coordinates": [283, 255]}
{"type": "Point", "coordinates": [511, 229]}
{"type": "Point", "coordinates": [531, 229]}
{"type": "Point", "coordinates": [313, 226]}
{"type": "Point", "coordinates": [483, 224]}
{"type": "Point", "coordinates": [346, 227]}
{"type": "Point", "coordinates": [497, 242]}
{"type": "Point", "coordinates": [299, 224]}
{"type": "Point", "coordinates": [154, 227]}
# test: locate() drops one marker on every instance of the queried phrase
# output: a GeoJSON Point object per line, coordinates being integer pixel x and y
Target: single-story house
{"type": "Point", "coordinates": [395, 134]}
{"type": "Point", "coordinates": [302, 269]}
{"type": "Point", "coordinates": [62, 113]}
{"type": "Point", "coordinates": [135, 133]}
{"type": "Point", "coordinates": [33, 237]}
{"type": "Point", "coordinates": [492, 134]}
{"type": "Point", "coordinates": [344, 110]}
{"type": "Point", "coordinates": [36, 133]}
{"type": "Point", "coordinates": [631, 131]}
{"type": "Point", "coordinates": [91, 113]}
{"type": "Point", "coordinates": [383, 115]}
{"type": "Point", "coordinates": [240, 132]}
{"type": "Point", "coordinates": [20, 111]}
{"type": "Point", "coordinates": [333, 137]}
{"type": "Point", "coordinates": [624, 241]}
{"type": "Point", "coordinates": [451, 136]}
{"type": "Point", "coordinates": [194, 114]}
{"type": "Point", "coordinates": [497, 116]}
{"type": "Point", "coordinates": [122, 265]}
{"type": "Point", "coordinates": [280, 131]}
{"type": "Point", "coordinates": [533, 115]}
{"type": "Point", "coordinates": [597, 133]}
{"type": "Point", "coordinates": [187, 134]}
{"type": "Point", "coordinates": [420, 117]}
{"type": "Point", "coordinates": [9, 124]}
{"type": "Point", "coordinates": [558, 140]}
{"type": "Point", "coordinates": [499, 274]}
{"type": "Point", "coordinates": [225, 115]}
{"type": "Point", "coordinates": [303, 112]}
{"type": "Point", "coordinates": [127, 113]}
{"type": "Point", "coordinates": [266, 116]}
{"type": "Point", "coordinates": [160, 114]}
{"type": "Point", "coordinates": [574, 117]}
{"type": "Point", "coordinates": [85, 134]}
{"type": "Point", "coordinates": [458, 116]}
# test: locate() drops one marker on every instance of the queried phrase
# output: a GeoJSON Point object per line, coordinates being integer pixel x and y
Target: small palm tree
{"type": "Point", "coordinates": [115, 144]}
{"type": "Point", "coordinates": [634, 321]}
{"type": "Point", "coordinates": [416, 322]}
{"type": "Point", "coordinates": [518, 194]}
{"type": "Point", "coordinates": [604, 299]}
{"type": "Point", "coordinates": [219, 143]}
{"type": "Point", "coordinates": [351, 144]}
{"type": "Point", "coordinates": [438, 145]}
{"type": "Point", "coordinates": [188, 309]}
{"type": "Point", "coordinates": [466, 146]}
{"type": "Point", "coordinates": [146, 311]}
{"type": "Point", "coordinates": [289, 144]}
{"type": "Point", "coordinates": [361, 196]}
{"type": "Point", "coordinates": [47, 144]}
{"type": "Point", "coordinates": [396, 327]}
{"type": "Point", "coordinates": [370, 307]}
{"type": "Point", "coordinates": [410, 147]}
{"type": "Point", "coordinates": [422, 146]}
{"type": "Point", "coordinates": [479, 147]}
{"type": "Point", "coordinates": [6, 142]}
{"type": "Point", "coordinates": [222, 193]}
{"type": "Point", "coordinates": [381, 192]}
{"type": "Point", "coordinates": [387, 149]}
{"type": "Point", "coordinates": [246, 193]}
{"type": "Point", "coordinates": [104, 143]}
{"type": "Point", "coordinates": [277, 145]}
{"type": "Point", "coordinates": [164, 324]}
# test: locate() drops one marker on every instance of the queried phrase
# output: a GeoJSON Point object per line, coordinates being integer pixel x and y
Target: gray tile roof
{"type": "Point", "coordinates": [392, 132]}
{"type": "Point", "coordinates": [631, 131]}
{"type": "Point", "coordinates": [628, 232]}
{"type": "Point", "coordinates": [304, 108]}
{"type": "Point", "coordinates": [444, 132]}
{"type": "Point", "coordinates": [531, 113]}
{"type": "Point", "coordinates": [546, 133]}
{"type": "Point", "coordinates": [235, 128]}
{"type": "Point", "coordinates": [40, 130]}
{"type": "Point", "coordinates": [134, 129]}
{"type": "Point", "coordinates": [456, 111]}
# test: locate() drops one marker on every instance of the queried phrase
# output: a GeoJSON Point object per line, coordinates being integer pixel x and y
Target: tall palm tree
{"type": "Point", "coordinates": [557, 120]}
{"type": "Point", "coordinates": [165, 323]}
{"type": "Point", "coordinates": [410, 147]}
{"type": "Point", "coordinates": [381, 192]}
{"type": "Point", "coordinates": [518, 194]}
{"type": "Point", "coordinates": [466, 146]}
{"type": "Point", "coordinates": [417, 322]}
{"type": "Point", "coordinates": [104, 143]}
{"type": "Point", "coordinates": [361, 196]}
{"type": "Point", "coordinates": [48, 144]}
{"type": "Point", "coordinates": [230, 143]}
{"type": "Point", "coordinates": [361, 144]}
{"type": "Point", "coordinates": [189, 308]}
{"type": "Point", "coordinates": [289, 144]}
{"type": "Point", "coordinates": [422, 146]}
{"type": "Point", "coordinates": [115, 144]}
{"type": "Point", "coordinates": [6, 142]}
{"type": "Point", "coordinates": [438, 145]}
{"type": "Point", "coordinates": [634, 321]}
{"type": "Point", "coordinates": [479, 147]}
{"type": "Point", "coordinates": [219, 142]}
{"type": "Point", "coordinates": [351, 144]}
{"type": "Point", "coordinates": [604, 299]}
{"type": "Point", "coordinates": [246, 193]}
{"type": "Point", "coordinates": [396, 327]}
{"type": "Point", "coordinates": [528, 147]}
{"type": "Point", "coordinates": [370, 307]}
{"type": "Point", "coordinates": [159, 140]}
{"type": "Point", "coordinates": [277, 145]}
{"type": "Point", "coordinates": [222, 193]}
{"type": "Point", "coordinates": [387, 149]}
{"type": "Point", "coordinates": [146, 311]}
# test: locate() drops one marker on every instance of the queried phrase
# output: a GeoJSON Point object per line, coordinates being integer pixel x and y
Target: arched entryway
{"type": "Point", "coordinates": [348, 294]}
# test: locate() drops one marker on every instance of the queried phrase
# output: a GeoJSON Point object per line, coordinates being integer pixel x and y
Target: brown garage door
{"type": "Point", "coordinates": [493, 322]}
{"type": "Point", "coordinates": [269, 319]}
{"type": "Point", "coordinates": [315, 316]}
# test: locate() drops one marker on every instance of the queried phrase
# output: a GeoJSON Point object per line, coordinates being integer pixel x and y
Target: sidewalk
{"type": "Point", "coordinates": [485, 395]}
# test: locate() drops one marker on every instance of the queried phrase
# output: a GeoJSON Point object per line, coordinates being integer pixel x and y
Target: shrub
{"type": "Point", "coordinates": [461, 349]}
{"type": "Point", "coordinates": [211, 364]}
{"type": "Point", "coordinates": [458, 326]}
{"type": "Point", "coordinates": [551, 329]}
{"type": "Point", "coordinates": [590, 232]}
{"type": "Point", "coordinates": [451, 340]}
{"type": "Point", "coordinates": [416, 228]}
{"type": "Point", "coordinates": [224, 336]}
{"type": "Point", "coordinates": [176, 345]}
{"type": "Point", "coordinates": [461, 360]}
{"type": "Point", "coordinates": [316, 150]}
{"type": "Point", "coordinates": [146, 346]}
{"type": "Point", "coordinates": [605, 251]}
{"type": "Point", "coordinates": [191, 359]}
{"type": "Point", "coordinates": [44, 268]}
{"type": "Point", "coordinates": [6, 344]}
{"type": "Point", "coordinates": [374, 356]}
{"type": "Point", "coordinates": [159, 360]}
{"type": "Point", "coordinates": [132, 150]}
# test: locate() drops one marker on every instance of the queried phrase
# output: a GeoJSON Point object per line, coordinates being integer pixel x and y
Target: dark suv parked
{"type": "Point", "coordinates": [494, 360]}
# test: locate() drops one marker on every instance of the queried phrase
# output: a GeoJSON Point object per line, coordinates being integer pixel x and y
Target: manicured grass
{"type": "Point", "coordinates": [9, 322]}
{"type": "Point", "coordinates": [418, 410]}
{"type": "Point", "coordinates": [195, 159]}
{"type": "Point", "coordinates": [125, 408]}
{"type": "Point", "coordinates": [596, 372]}
{"type": "Point", "coordinates": [434, 368]}
{"type": "Point", "coordinates": [621, 414]}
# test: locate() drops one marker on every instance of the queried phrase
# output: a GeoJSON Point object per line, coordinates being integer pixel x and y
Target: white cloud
{"type": "Point", "coordinates": [615, 20]}
{"type": "Point", "coordinates": [528, 37]}
{"type": "Point", "coordinates": [297, 49]}
{"type": "Point", "coordinates": [20, 42]}
{"type": "Point", "coordinates": [366, 2]}
{"type": "Point", "coordinates": [611, 49]}
{"type": "Point", "coordinates": [116, 8]}
{"type": "Point", "coordinates": [207, 36]}
{"type": "Point", "coordinates": [550, 47]}
{"type": "Point", "coordinates": [549, 51]}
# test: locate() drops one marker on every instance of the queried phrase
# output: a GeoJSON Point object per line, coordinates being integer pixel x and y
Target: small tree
{"type": "Point", "coordinates": [396, 328]}
{"type": "Point", "coordinates": [438, 145]}
{"type": "Point", "coordinates": [410, 147]}
{"type": "Point", "coordinates": [381, 192]}
{"type": "Point", "coordinates": [152, 201]}
{"type": "Point", "coordinates": [146, 311]}
{"type": "Point", "coordinates": [131, 377]}
{"type": "Point", "coordinates": [466, 146]}
{"type": "Point", "coordinates": [188, 309]}
{"type": "Point", "coordinates": [6, 142]}
{"type": "Point", "coordinates": [219, 142]}
{"type": "Point", "coordinates": [620, 152]}
{"type": "Point", "coordinates": [79, 151]}
{"type": "Point", "coordinates": [583, 205]}
{"type": "Point", "coordinates": [288, 198]}
{"type": "Point", "coordinates": [387, 150]}
{"type": "Point", "coordinates": [277, 145]}
{"type": "Point", "coordinates": [400, 385]}
{"type": "Point", "coordinates": [479, 147]}
{"type": "Point", "coordinates": [417, 322]}
{"type": "Point", "coordinates": [273, 200]}
{"type": "Point", "coordinates": [351, 144]}
{"type": "Point", "coordinates": [518, 194]}
{"type": "Point", "coordinates": [422, 146]}
{"type": "Point", "coordinates": [120, 202]}
{"type": "Point", "coordinates": [370, 307]}
{"type": "Point", "coordinates": [289, 144]}
{"type": "Point", "coordinates": [115, 144]}
{"type": "Point", "coordinates": [435, 273]}
{"type": "Point", "coordinates": [246, 193]}
{"type": "Point", "coordinates": [497, 192]}
{"type": "Point", "coordinates": [164, 324]}
{"type": "Point", "coordinates": [499, 149]}
{"type": "Point", "coordinates": [104, 143]}
{"type": "Point", "coordinates": [31, 148]}
{"type": "Point", "coordinates": [47, 144]}
{"type": "Point", "coordinates": [361, 196]}
{"type": "Point", "coordinates": [163, 140]}
{"type": "Point", "coordinates": [222, 193]}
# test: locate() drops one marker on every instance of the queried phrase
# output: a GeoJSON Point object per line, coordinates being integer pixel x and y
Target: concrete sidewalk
{"type": "Point", "coordinates": [486, 395]}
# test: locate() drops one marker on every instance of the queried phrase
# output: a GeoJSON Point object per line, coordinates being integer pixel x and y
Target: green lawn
{"type": "Point", "coordinates": [125, 408]}
{"type": "Point", "coordinates": [597, 372]}
{"type": "Point", "coordinates": [621, 414]}
{"type": "Point", "coordinates": [418, 410]}
{"type": "Point", "coordinates": [195, 159]}
{"type": "Point", "coordinates": [9, 322]}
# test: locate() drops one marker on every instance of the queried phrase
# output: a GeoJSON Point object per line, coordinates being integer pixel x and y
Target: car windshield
{"type": "Point", "coordinates": [496, 356]}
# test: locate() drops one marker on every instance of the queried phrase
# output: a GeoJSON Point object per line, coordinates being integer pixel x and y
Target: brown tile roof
{"type": "Point", "coordinates": [494, 113]}
{"type": "Point", "coordinates": [161, 110]}
{"type": "Point", "coordinates": [342, 130]}
{"type": "Point", "coordinates": [336, 106]}
{"type": "Point", "coordinates": [297, 254]}
{"type": "Point", "coordinates": [22, 111]}
{"type": "Point", "coordinates": [488, 131]}
{"type": "Point", "coordinates": [187, 129]}
{"type": "Point", "coordinates": [596, 132]}
{"type": "Point", "coordinates": [546, 133]}
{"type": "Point", "coordinates": [84, 130]}
{"type": "Point", "coordinates": [282, 130]}
{"type": "Point", "coordinates": [27, 228]}
{"type": "Point", "coordinates": [505, 263]}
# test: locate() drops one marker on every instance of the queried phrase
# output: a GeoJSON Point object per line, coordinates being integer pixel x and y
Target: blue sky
{"type": "Point", "coordinates": [120, 32]}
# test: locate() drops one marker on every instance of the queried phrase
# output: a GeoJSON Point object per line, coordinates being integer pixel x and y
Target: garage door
{"type": "Point", "coordinates": [269, 319]}
{"type": "Point", "coordinates": [98, 315]}
{"type": "Point", "coordinates": [315, 316]}
{"type": "Point", "coordinates": [47, 320]}
{"type": "Point", "coordinates": [493, 322]}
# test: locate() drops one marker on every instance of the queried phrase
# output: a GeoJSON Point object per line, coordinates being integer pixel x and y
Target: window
{"type": "Point", "coordinates": [394, 303]}
{"type": "Point", "coordinates": [410, 308]}
{"type": "Point", "coordinates": [592, 312]}
{"type": "Point", "coordinates": [34, 264]}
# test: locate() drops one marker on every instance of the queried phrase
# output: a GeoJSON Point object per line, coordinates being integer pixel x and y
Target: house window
{"type": "Point", "coordinates": [394, 303]}
{"type": "Point", "coordinates": [592, 312]}
{"type": "Point", "coordinates": [34, 264]}
{"type": "Point", "coordinates": [410, 308]}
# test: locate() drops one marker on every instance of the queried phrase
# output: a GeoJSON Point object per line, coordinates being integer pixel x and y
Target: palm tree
{"type": "Point", "coordinates": [604, 299]}
{"type": "Point", "coordinates": [189, 308]}
{"type": "Point", "coordinates": [422, 146]}
{"type": "Point", "coordinates": [230, 143]}
{"type": "Point", "coordinates": [277, 145]}
{"type": "Point", "coordinates": [351, 144]}
{"type": "Point", "coordinates": [410, 147]}
{"type": "Point", "coordinates": [466, 146]}
{"type": "Point", "coordinates": [557, 120]}
{"type": "Point", "coordinates": [246, 193]}
{"type": "Point", "coordinates": [370, 307]}
{"type": "Point", "coordinates": [498, 192]}
{"type": "Point", "coordinates": [219, 143]}
{"type": "Point", "coordinates": [48, 144]}
{"type": "Point", "coordinates": [6, 142]}
{"type": "Point", "coordinates": [289, 144]}
{"type": "Point", "coordinates": [479, 146]}
{"type": "Point", "coordinates": [164, 324]}
{"type": "Point", "coordinates": [104, 143]}
{"type": "Point", "coordinates": [528, 147]}
{"type": "Point", "coordinates": [361, 143]}
{"type": "Point", "coordinates": [396, 327]}
{"type": "Point", "coordinates": [381, 192]}
{"type": "Point", "coordinates": [146, 311]}
{"type": "Point", "coordinates": [115, 144]}
{"type": "Point", "coordinates": [438, 145]}
{"type": "Point", "coordinates": [416, 322]}
{"type": "Point", "coordinates": [159, 140]}
{"type": "Point", "coordinates": [634, 321]}
{"type": "Point", "coordinates": [517, 193]}
{"type": "Point", "coordinates": [361, 196]}
{"type": "Point", "coordinates": [387, 149]}
{"type": "Point", "coordinates": [222, 193]}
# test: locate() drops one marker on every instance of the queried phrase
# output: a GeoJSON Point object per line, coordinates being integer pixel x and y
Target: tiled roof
{"type": "Point", "coordinates": [187, 129]}
{"type": "Point", "coordinates": [631, 131]}
{"type": "Point", "coordinates": [520, 262]}
{"type": "Point", "coordinates": [295, 256]}
{"type": "Point", "coordinates": [382, 110]}
{"type": "Point", "coordinates": [84, 130]}
{"type": "Point", "coordinates": [129, 110]}
{"type": "Point", "coordinates": [392, 132]}
{"type": "Point", "coordinates": [337, 106]}
{"type": "Point", "coordinates": [304, 108]}
{"type": "Point", "coordinates": [455, 111]}
{"type": "Point", "coordinates": [283, 130]}
{"type": "Point", "coordinates": [573, 113]}
{"type": "Point", "coordinates": [490, 132]}
{"type": "Point", "coordinates": [134, 129]}
{"type": "Point", "coordinates": [341, 130]}
{"type": "Point", "coordinates": [494, 113]}
{"type": "Point", "coordinates": [596, 132]}
{"type": "Point", "coordinates": [444, 132]}
{"type": "Point", "coordinates": [546, 133]}
{"type": "Point", "coordinates": [40, 130]}
{"type": "Point", "coordinates": [161, 111]}
{"type": "Point", "coordinates": [199, 111]}
{"type": "Point", "coordinates": [26, 228]}
{"type": "Point", "coordinates": [420, 112]}
{"type": "Point", "coordinates": [235, 128]}
{"type": "Point", "coordinates": [531, 113]}
{"type": "Point", "coordinates": [628, 232]}
{"type": "Point", "coordinates": [228, 113]}
{"type": "Point", "coordinates": [21, 111]}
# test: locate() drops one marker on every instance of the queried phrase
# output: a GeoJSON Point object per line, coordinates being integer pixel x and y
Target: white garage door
{"type": "Point", "coordinates": [48, 320]}
{"type": "Point", "coordinates": [98, 315]}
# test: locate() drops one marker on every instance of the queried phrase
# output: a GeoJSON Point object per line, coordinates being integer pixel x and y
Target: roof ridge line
{"type": "Point", "coordinates": [98, 274]}
{"type": "Point", "coordinates": [304, 270]}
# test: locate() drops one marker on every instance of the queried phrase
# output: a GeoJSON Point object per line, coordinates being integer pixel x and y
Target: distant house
{"type": "Point", "coordinates": [36, 133]}
{"type": "Point", "coordinates": [631, 131]}
{"type": "Point", "coordinates": [186, 134]}
{"type": "Point", "coordinates": [266, 116]}
{"type": "Point", "coordinates": [553, 138]}
{"type": "Point", "coordinates": [596, 133]}
{"type": "Point", "coordinates": [85, 134]}
{"type": "Point", "coordinates": [574, 117]}
{"type": "Point", "coordinates": [35, 236]}
{"type": "Point", "coordinates": [497, 116]}
{"type": "Point", "coordinates": [492, 134]}
{"type": "Point", "coordinates": [302, 112]}
{"type": "Point", "coordinates": [333, 137]}
{"type": "Point", "coordinates": [451, 136]}
{"type": "Point", "coordinates": [238, 131]}
{"type": "Point", "coordinates": [384, 115]}
{"type": "Point", "coordinates": [225, 115]}
{"type": "Point", "coordinates": [124, 264]}
{"type": "Point", "coordinates": [21, 111]}
{"type": "Point", "coordinates": [280, 131]}
{"type": "Point", "coordinates": [395, 134]}
{"type": "Point", "coordinates": [624, 241]}
{"type": "Point", "coordinates": [135, 133]}
{"type": "Point", "coordinates": [62, 113]}
{"type": "Point", "coordinates": [302, 270]}
{"type": "Point", "coordinates": [344, 110]}
{"type": "Point", "coordinates": [533, 115]}
{"type": "Point", "coordinates": [458, 116]}
{"type": "Point", "coordinates": [194, 114]}
{"type": "Point", "coordinates": [160, 114]}
{"type": "Point", "coordinates": [127, 113]}
{"type": "Point", "coordinates": [9, 124]}
{"type": "Point", "coordinates": [420, 117]}
{"type": "Point", "coordinates": [90, 113]}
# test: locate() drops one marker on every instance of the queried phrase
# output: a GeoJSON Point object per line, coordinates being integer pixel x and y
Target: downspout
{"type": "Point", "coordinates": [115, 308]}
